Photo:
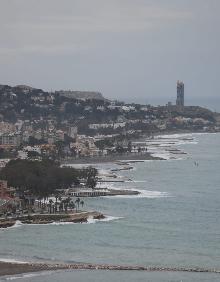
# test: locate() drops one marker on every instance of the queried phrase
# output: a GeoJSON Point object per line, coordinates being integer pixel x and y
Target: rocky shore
{"type": "Point", "coordinates": [113, 192]}
{"type": "Point", "coordinates": [111, 158]}
{"type": "Point", "coordinates": [7, 268]}
{"type": "Point", "coordinates": [78, 217]}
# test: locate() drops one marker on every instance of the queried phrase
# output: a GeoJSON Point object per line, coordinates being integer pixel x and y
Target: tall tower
{"type": "Point", "coordinates": [180, 94]}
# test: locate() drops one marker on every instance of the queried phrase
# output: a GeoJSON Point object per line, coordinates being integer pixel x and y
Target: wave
{"type": "Point", "coordinates": [136, 181]}
{"type": "Point", "coordinates": [143, 194]}
{"type": "Point", "coordinates": [16, 225]}
{"type": "Point", "coordinates": [90, 220]}
{"type": "Point", "coordinates": [166, 156]}
{"type": "Point", "coordinates": [152, 194]}
{"type": "Point", "coordinates": [106, 219]}
{"type": "Point", "coordinates": [176, 135]}
{"type": "Point", "coordinates": [27, 275]}
{"type": "Point", "coordinates": [10, 260]}
{"type": "Point", "coordinates": [165, 148]}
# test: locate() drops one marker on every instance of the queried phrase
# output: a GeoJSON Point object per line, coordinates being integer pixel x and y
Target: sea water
{"type": "Point", "coordinates": [174, 222]}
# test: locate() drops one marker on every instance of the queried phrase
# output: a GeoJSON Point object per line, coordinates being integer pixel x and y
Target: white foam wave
{"type": "Point", "coordinates": [137, 181]}
{"type": "Point", "coordinates": [16, 225]}
{"type": "Point", "coordinates": [10, 260]}
{"type": "Point", "coordinates": [160, 145]}
{"type": "Point", "coordinates": [175, 136]}
{"type": "Point", "coordinates": [58, 223]}
{"type": "Point", "coordinates": [143, 194]}
{"type": "Point", "coordinates": [152, 194]}
{"type": "Point", "coordinates": [106, 219]}
{"type": "Point", "coordinates": [168, 156]}
{"type": "Point", "coordinates": [89, 221]}
{"type": "Point", "coordinates": [26, 275]}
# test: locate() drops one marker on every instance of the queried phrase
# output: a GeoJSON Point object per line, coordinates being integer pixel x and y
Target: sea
{"type": "Point", "coordinates": [173, 222]}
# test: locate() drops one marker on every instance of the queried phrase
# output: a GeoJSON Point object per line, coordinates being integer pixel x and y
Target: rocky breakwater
{"type": "Point", "coordinates": [7, 268]}
{"type": "Point", "coordinates": [114, 192]}
{"type": "Point", "coordinates": [78, 217]}
{"type": "Point", "coordinates": [5, 223]}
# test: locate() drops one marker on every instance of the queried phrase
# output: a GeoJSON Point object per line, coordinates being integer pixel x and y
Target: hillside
{"type": "Point", "coordinates": [82, 95]}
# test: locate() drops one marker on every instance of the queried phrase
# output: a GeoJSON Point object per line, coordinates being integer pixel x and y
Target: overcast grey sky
{"type": "Point", "coordinates": [127, 49]}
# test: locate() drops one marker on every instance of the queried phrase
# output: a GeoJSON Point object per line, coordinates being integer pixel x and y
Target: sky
{"type": "Point", "coordinates": [131, 50]}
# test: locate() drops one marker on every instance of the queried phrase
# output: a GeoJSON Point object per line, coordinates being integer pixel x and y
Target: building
{"type": "Point", "coordinates": [10, 139]}
{"type": "Point", "coordinates": [6, 127]}
{"type": "Point", "coordinates": [72, 131]}
{"type": "Point", "coordinates": [5, 191]}
{"type": "Point", "coordinates": [138, 147]}
{"type": "Point", "coordinates": [180, 94]}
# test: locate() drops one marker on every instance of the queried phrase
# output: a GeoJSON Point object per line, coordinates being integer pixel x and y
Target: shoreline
{"type": "Point", "coordinates": [13, 268]}
{"type": "Point", "coordinates": [79, 217]}
{"type": "Point", "coordinates": [112, 158]}
{"type": "Point", "coordinates": [135, 157]}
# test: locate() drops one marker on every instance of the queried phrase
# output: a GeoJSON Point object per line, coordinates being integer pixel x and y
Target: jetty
{"type": "Point", "coordinates": [100, 192]}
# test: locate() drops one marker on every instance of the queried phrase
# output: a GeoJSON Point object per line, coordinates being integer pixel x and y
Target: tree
{"type": "Point", "coordinates": [77, 202]}
{"type": "Point", "coordinates": [129, 146]}
{"type": "Point", "coordinates": [50, 205]}
{"type": "Point", "coordinates": [72, 205]}
{"type": "Point", "coordinates": [91, 182]}
{"type": "Point", "coordinates": [40, 178]}
{"type": "Point", "coordinates": [91, 177]}
{"type": "Point", "coordinates": [82, 203]}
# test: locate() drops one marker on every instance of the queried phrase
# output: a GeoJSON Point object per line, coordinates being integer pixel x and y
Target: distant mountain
{"type": "Point", "coordinates": [72, 94]}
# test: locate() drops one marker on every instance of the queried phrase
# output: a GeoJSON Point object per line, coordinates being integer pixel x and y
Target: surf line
{"type": "Point", "coordinates": [35, 267]}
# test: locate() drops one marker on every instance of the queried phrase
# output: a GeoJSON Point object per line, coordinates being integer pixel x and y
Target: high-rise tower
{"type": "Point", "coordinates": [180, 94]}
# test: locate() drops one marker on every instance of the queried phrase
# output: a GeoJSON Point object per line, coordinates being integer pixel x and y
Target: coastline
{"type": "Point", "coordinates": [79, 217]}
{"type": "Point", "coordinates": [13, 268]}
{"type": "Point", "coordinates": [38, 267]}
{"type": "Point", "coordinates": [112, 158]}
{"type": "Point", "coordinates": [135, 157]}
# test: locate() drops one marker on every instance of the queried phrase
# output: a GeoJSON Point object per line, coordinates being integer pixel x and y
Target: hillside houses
{"type": "Point", "coordinates": [58, 120]}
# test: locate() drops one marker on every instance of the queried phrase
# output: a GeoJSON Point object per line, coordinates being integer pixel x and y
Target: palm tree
{"type": "Point", "coordinates": [55, 206]}
{"type": "Point", "coordinates": [72, 205]}
{"type": "Point", "coordinates": [50, 205]}
{"type": "Point", "coordinates": [65, 205]}
{"type": "Point", "coordinates": [77, 201]}
{"type": "Point", "coordinates": [82, 203]}
{"type": "Point", "coordinates": [61, 206]}
{"type": "Point", "coordinates": [56, 197]}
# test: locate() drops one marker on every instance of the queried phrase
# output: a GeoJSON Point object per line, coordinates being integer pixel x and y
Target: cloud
{"type": "Point", "coordinates": [122, 47]}
{"type": "Point", "coordinates": [53, 27]}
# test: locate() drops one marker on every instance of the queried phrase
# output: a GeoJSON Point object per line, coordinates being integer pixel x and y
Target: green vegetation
{"type": "Point", "coordinates": [43, 178]}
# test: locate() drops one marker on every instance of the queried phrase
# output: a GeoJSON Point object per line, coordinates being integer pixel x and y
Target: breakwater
{"type": "Point", "coordinates": [77, 217]}
{"type": "Point", "coordinates": [7, 268]}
